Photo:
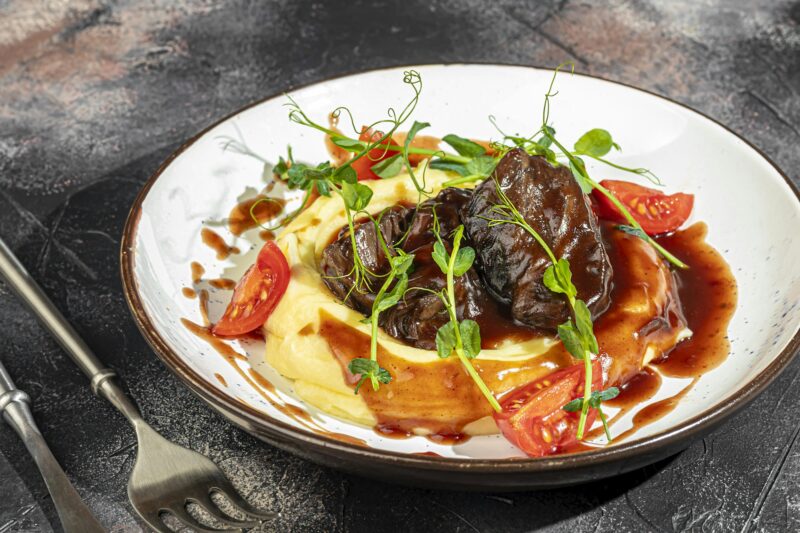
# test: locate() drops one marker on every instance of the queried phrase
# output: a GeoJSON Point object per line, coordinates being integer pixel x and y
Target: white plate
{"type": "Point", "coordinates": [751, 210]}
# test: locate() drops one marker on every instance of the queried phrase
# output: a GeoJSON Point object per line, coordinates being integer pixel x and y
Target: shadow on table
{"type": "Point", "coordinates": [376, 506]}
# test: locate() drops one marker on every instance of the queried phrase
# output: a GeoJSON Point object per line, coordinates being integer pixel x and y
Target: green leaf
{"type": "Point", "coordinates": [583, 320]}
{"type": "Point", "coordinates": [388, 168]}
{"type": "Point", "coordinates": [445, 340]}
{"type": "Point", "coordinates": [458, 168]}
{"type": "Point", "coordinates": [574, 405]}
{"type": "Point", "coordinates": [571, 339]}
{"type": "Point", "coordinates": [401, 262]}
{"type": "Point", "coordinates": [440, 256]}
{"type": "Point", "coordinates": [607, 394]}
{"type": "Point", "coordinates": [595, 143]}
{"type": "Point", "coordinates": [470, 338]}
{"type": "Point", "coordinates": [351, 145]}
{"type": "Point", "coordinates": [579, 173]}
{"type": "Point", "coordinates": [464, 259]}
{"type": "Point", "coordinates": [392, 297]}
{"type": "Point", "coordinates": [384, 376]}
{"type": "Point", "coordinates": [464, 146]}
{"type": "Point", "coordinates": [368, 369]}
{"type": "Point", "coordinates": [630, 230]}
{"type": "Point", "coordinates": [558, 278]}
{"type": "Point", "coordinates": [356, 196]}
{"type": "Point", "coordinates": [347, 174]}
{"type": "Point", "coordinates": [482, 165]}
{"type": "Point", "coordinates": [595, 399]}
{"type": "Point", "coordinates": [415, 128]}
{"type": "Point", "coordinates": [323, 187]}
{"type": "Point", "coordinates": [362, 366]}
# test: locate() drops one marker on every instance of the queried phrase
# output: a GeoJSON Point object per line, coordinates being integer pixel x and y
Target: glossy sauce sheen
{"type": "Point", "coordinates": [262, 385]}
{"type": "Point", "coordinates": [253, 212]}
{"type": "Point", "coordinates": [410, 401]}
{"type": "Point", "coordinates": [708, 292]}
{"type": "Point", "coordinates": [217, 243]}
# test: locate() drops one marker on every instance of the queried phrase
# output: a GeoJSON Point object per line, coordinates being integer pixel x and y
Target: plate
{"type": "Point", "coordinates": [751, 208]}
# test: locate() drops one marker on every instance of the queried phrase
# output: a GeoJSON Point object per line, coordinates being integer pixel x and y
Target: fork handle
{"type": "Point", "coordinates": [75, 517]}
{"type": "Point", "coordinates": [29, 292]}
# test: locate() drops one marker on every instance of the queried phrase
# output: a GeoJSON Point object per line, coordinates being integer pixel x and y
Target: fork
{"type": "Point", "coordinates": [166, 477]}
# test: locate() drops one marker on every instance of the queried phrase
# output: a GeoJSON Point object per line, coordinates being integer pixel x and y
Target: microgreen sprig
{"type": "Point", "coordinates": [577, 333]}
{"type": "Point", "coordinates": [384, 299]}
{"type": "Point", "coordinates": [595, 402]}
{"type": "Point", "coordinates": [462, 337]}
{"type": "Point", "coordinates": [596, 143]}
{"type": "Point", "coordinates": [479, 165]}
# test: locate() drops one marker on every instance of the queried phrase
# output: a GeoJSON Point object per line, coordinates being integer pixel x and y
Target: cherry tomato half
{"type": "Point", "coordinates": [655, 211]}
{"type": "Point", "coordinates": [533, 418]}
{"type": "Point", "coordinates": [363, 166]}
{"type": "Point", "coordinates": [256, 294]}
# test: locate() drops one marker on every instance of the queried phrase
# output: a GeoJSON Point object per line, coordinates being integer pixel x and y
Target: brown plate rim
{"type": "Point", "coordinates": [256, 419]}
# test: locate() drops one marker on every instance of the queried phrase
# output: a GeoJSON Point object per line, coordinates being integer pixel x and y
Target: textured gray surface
{"type": "Point", "coordinates": [93, 95]}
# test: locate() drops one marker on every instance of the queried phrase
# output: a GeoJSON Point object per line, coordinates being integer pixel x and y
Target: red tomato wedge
{"type": "Point", "coordinates": [363, 166]}
{"type": "Point", "coordinates": [655, 211]}
{"type": "Point", "coordinates": [533, 418]}
{"type": "Point", "coordinates": [256, 294]}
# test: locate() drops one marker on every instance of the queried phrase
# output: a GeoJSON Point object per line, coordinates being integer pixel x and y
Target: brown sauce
{"type": "Point", "coordinates": [262, 385]}
{"type": "Point", "coordinates": [213, 240]}
{"type": "Point", "coordinates": [266, 235]}
{"type": "Point", "coordinates": [449, 440]}
{"type": "Point", "coordinates": [204, 307]}
{"type": "Point", "coordinates": [650, 413]}
{"type": "Point", "coordinates": [197, 272]}
{"type": "Point", "coordinates": [222, 283]}
{"type": "Point", "coordinates": [639, 389]}
{"type": "Point", "coordinates": [441, 398]}
{"type": "Point", "coordinates": [254, 212]}
{"type": "Point", "coordinates": [708, 293]}
{"type": "Point", "coordinates": [188, 292]}
{"type": "Point", "coordinates": [221, 379]}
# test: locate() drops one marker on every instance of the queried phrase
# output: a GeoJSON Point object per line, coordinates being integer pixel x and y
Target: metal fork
{"type": "Point", "coordinates": [166, 477]}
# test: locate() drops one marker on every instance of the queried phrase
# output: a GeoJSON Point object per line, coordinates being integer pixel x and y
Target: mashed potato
{"type": "Point", "coordinates": [296, 349]}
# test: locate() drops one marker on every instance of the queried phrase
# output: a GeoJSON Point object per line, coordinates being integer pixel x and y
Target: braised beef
{"type": "Point", "coordinates": [505, 283]}
{"type": "Point", "coordinates": [417, 318]}
{"type": "Point", "coordinates": [512, 263]}
{"type": "Point", "coordinates": [337, 258]}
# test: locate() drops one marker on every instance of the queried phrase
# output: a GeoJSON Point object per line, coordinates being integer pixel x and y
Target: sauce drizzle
{"type": "Point", "coordinates": [253, 212]}
{"type": "Point", "coordinates": [218, 244]}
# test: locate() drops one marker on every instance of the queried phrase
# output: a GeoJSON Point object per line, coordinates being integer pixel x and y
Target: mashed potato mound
{"type": "Point", "coordinates": [295, 348]}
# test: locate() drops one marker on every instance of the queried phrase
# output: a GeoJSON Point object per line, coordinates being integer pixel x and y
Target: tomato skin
{"type": "Point", "coordinates": [256, 294]}
{"type": "Point", "coordinates": [656, 212]}
{"type": "Point", "coordinates": [363, 166]}
{"type": "Point", "coordinates": [533, 418]}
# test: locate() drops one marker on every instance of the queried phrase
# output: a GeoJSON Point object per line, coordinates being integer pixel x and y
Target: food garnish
{"type": "Point", "coordinates": [542, 417]}
{"type": "Point", "coordinates": [655, 211]}
{"type": "Point", "coordinates": [256, 294]}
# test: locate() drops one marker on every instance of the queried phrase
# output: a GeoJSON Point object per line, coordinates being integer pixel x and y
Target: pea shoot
{"type": "Point", "coordinates": [595, 144]}
{"type": "Point", "coordinates": [577, 333]}
{"type": "Point", "coordinates": [462, 337]}
{"type": "Point", "coordinates": [387, 297]}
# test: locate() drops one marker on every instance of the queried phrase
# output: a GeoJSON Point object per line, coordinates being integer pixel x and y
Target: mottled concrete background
{"type": "Point", "coordinates": [93, 95]}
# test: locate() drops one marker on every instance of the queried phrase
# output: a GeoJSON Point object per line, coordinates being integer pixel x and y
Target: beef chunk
{"type": "Point", "coordinates": [512, 263]}
{"type": "Point", "coordinates": [337, 258]}
{"type": "Point", "coordinates": [417, 318]}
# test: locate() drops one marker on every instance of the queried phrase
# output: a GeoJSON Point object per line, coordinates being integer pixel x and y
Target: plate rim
{"type": "Point", "coordinates": [257, 420]}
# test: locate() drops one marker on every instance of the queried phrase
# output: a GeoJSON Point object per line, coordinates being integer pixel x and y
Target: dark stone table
{"type": "Point", "coordinates": [95, 94]}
